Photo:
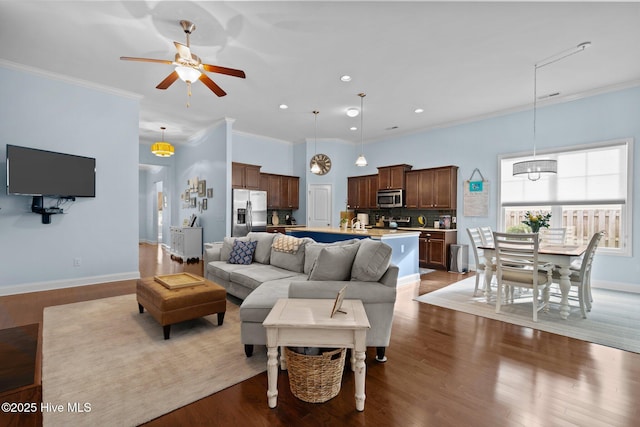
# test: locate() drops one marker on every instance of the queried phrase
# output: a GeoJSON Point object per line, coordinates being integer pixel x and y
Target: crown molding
{"type": "Point", "coordinates": [67, 79]}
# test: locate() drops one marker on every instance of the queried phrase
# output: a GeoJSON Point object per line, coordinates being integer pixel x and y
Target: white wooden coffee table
{"type": "Point", "coordinates": [308, 323]}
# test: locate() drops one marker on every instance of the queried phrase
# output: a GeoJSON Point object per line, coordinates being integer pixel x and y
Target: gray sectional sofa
{"type": "Point", "coordinates": [264, 267]}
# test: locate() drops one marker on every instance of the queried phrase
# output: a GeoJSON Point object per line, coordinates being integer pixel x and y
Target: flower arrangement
{"type": "Point", "coordinates": [536, 221]}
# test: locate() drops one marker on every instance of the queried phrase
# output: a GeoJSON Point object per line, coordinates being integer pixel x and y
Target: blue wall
{"type": "Point", "coordinates": [46, 113]}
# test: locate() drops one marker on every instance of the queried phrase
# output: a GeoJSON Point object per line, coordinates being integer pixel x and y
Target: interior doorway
{"type": "Point", "coordinates": [159, 206]}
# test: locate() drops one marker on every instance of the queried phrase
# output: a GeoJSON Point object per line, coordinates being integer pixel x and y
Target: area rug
{"type": "Point", "coordinates": [104, 363]}
{"type": "Point", "coordinates": [613, 320]}
{"type": "Point", "coordinates": [426, 270]}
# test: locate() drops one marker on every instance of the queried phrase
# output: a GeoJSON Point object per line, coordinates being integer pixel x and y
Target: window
{"type": "Point", "coordinates": [591, 192]}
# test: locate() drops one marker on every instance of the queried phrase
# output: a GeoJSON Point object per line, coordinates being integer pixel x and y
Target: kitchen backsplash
{"type": "Point", "coordinates": [430, 215]}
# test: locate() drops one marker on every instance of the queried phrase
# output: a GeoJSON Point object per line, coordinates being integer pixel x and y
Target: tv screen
{"type": "Point", "coordinates": [36, 172]}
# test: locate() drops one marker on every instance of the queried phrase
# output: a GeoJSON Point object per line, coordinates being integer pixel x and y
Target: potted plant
{"type": "Point", "coordinates": [537, 221]}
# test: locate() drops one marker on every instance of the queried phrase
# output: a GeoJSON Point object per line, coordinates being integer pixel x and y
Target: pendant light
{"type": "Point", "coordinates": [362, 160]}
{"type": "Point", "coordinates": [535, 167]}
{"type": "Point", "coordinates": [315, 168]}
{"type": "Point", "coordinates": [162, 148]}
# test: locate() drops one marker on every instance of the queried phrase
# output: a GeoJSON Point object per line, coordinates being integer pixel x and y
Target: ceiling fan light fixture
{"type": "Point", "coordinates": [163, 148]}
{"type": "Point", "coordinates": [188, 74]}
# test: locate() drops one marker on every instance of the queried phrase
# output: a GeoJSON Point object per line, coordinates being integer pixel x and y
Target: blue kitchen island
{"type": "Point", "coordinates": [404, 245]}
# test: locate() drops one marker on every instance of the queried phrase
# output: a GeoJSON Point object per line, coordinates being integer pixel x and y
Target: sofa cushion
{"type": "Point", "coordinates": [312, 250]}
{"type": "Point", "coordinates": [263, 250]}
{"type": "Point", "coordinates": [259, 303]}
{"type": "Point", "coordinates": [371, 261]}
{"type": "Point", "coordinates": [227, 246]}
{"type": "Point", "coordinates": [222, 269]}
{"type": "Point", "coordinates": [252, 277]}
{"type": "Point", "coordinates": [242, 252]}
{"type": "Point", "coordinates": [334, 263]}
{"type": "Point", "coordinates": [290, 261]}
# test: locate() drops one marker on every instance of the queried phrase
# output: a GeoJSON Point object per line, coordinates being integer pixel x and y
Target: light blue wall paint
{"type": "Point", "coordinates": [273, 155]}
{"type": "Point", "coordinates": [50, 114]}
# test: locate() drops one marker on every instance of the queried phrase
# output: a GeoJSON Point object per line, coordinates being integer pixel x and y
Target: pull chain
{"type": "Point", "coordinates": [188, 93]}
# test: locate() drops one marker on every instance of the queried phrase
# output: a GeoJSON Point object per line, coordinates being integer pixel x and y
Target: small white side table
{"type": "Point", "coordinates": [308, 323]}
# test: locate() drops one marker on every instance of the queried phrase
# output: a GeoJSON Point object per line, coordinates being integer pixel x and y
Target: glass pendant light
{"type": "Point", "coordinates": [362, 160]}
{"type": "Point", "coordinates": [315, 168]}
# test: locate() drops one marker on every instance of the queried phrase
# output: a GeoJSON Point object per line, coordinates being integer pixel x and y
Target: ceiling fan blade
{"type": "Point", "coordinates": [183, 50]}
{"type": "Point", "coordinates": [212, 85]}
{"type": "Point", "coordinates": [224, 70]}
{"type": "Point", "coordinates": [168, 81]}
{"type": "Point", "coordinates": [160, 61]}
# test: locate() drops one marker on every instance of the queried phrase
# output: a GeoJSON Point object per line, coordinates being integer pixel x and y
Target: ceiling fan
{"type": "Point", "coordinates": [189, 67]}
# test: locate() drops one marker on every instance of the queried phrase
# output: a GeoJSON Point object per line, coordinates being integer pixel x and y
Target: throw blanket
{"type": "Point", "coordinates": [287, 244]}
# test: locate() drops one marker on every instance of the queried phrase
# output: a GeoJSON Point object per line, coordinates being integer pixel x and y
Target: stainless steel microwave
{"type": "Point", "coordinates": [390, 198]}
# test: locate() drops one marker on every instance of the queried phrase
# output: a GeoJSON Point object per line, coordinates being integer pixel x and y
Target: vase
{"type": "Point", "coordinates": [535, 228]}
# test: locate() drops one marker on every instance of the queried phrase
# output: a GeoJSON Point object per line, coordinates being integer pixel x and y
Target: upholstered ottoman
{"type": "Point", "coordinates": [169, 306]}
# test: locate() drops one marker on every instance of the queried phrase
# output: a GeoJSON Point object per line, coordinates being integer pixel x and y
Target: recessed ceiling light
{"type": "Point", "coordinates": [283, 106]}
{"type": "Point", "coordinates": [353, 128]}
{"type": "Point", "coordinates": [345, 78]}
{"type": "Point", "coordinates": [418, 110]}
{"type": "Point", "coordinates": [352, 112]}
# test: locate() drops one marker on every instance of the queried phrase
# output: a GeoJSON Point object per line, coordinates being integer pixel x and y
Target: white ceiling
{"type": "Point", "coordinates": [456, 60]}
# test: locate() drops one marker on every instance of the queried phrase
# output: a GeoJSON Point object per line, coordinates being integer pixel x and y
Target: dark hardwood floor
{"type": "Point", "coordinates": [445, 368]}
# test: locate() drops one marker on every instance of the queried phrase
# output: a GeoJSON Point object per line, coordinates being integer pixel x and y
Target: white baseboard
{"type": "Point", "coordinates": [616, 286]}
{"type": "Point", "coordinates": [67, 283]}
{"type": "Point", "coordinates": [409, 279]}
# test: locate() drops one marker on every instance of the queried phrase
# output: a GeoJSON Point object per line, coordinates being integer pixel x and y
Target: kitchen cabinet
{"type": "Point", "coordinates": [362, 192]}
{"type": "Point", "coordinates": [289, 192]}
{"type": "Point", "coordinates": [435, 188]}
{"type": "Point", "coordinates": [245, 176]}
{"type": "Point", "coordinates": [434, 247]}
{"type": "Point", "coordinates": [283, 192]}
{"type": "Point", "coordinates": [392, 177]}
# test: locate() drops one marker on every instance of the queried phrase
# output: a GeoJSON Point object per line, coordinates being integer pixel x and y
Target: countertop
{"type": "Point", "coordinates": [371, 232]}
{"type": "Point", "coordinates": [446, 230]}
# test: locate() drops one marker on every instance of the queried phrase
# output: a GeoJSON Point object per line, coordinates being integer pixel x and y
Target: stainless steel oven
{"type": "Point", "coordinates": [390, 198]}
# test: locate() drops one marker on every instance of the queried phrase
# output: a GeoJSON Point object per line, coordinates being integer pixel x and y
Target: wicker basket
{"type": "Point", "coordinates": [315, 379]}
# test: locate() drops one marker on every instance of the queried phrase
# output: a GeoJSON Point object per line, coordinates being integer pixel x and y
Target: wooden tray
{"type": "Point", "coordinates": [179, 280]}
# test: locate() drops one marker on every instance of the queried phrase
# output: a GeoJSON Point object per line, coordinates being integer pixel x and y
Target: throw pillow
{"type": "Point", "coordinates": [242, 252]}
{"type": "Point", "coordinates": [334, 263]}
{"type": "Point", "coordinates": [227, 246]}
{"type": "Point", "coordinates": [371, 262]}
{"type": "Point", "coordinates": [263, 250]}
{"type": "Point", "coordinates": [312, 250]}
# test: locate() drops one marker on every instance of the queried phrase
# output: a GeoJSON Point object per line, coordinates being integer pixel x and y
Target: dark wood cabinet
{"type": "Point", "coordinates": [433, 248]}
{"type": "Point", "coordinates": [392, 177]}
{"type": "Point", "coordinates": [434, 188]}
{"type": "Point", "coordinates": [283, 192]}
{"type": "Point", "coordinates": [289, 192]}
{"type": "Point", "coordinates": [245, 176]}
{"type": "Point", "coordinates": [362, 191]}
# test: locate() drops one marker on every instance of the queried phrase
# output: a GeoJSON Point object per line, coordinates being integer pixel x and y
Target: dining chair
{"type": "Point", "coordinates": [518, 266]}
{"type": "Point", "coordinates": [580, 275]}
{"type": "Point", "coordinates": [487, 235]}
{"type": "Point", "coordinates": [478, 255]}
{"type": "Point", "coordinates": [553, 236]}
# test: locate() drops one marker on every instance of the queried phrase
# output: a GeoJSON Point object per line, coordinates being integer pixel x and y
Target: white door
{"type": "Point", "coordinates": [319, 205]}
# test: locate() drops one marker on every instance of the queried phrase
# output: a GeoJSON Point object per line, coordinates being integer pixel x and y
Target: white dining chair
{"type": "Point", "coordinates": [553, 236]}
{"type": "Point", "coordinates": [580, 275]}
{"type": "Point", "coordinates": [518, 266]}
{"type": "Point", "coordinates": [487, 235]}
{"type": "Point", "coordinates": [478, 255]}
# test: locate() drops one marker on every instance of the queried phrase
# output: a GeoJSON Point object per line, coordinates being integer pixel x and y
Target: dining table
{"type": "Point", "coordinates": [561, 256]}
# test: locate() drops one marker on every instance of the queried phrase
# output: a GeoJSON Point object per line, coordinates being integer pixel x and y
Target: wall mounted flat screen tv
{"type": "Point", "coordinates": [34, 172]}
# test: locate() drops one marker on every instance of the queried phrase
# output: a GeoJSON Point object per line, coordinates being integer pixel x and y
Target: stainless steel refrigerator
{"type": "Point", "coordinates": [249, 212]}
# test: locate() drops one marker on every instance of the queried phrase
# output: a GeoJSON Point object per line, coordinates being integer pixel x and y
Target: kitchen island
{"type": "Point", "coordinates": [404, 245]}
